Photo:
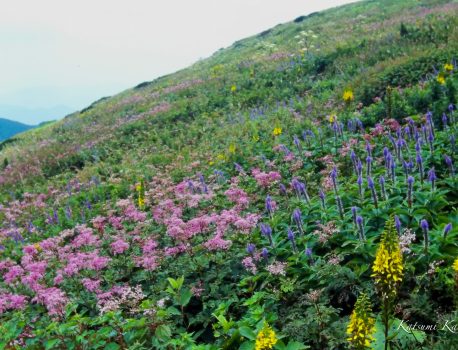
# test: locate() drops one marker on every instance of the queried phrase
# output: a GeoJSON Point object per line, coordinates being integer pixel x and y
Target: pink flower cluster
{"type": "Point", "coordinates": [265, 179]}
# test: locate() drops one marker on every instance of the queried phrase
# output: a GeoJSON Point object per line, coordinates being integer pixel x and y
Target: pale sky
{"type": "Point", "coordinates": [58, 56]}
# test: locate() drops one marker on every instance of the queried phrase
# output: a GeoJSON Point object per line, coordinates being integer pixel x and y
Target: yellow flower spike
{"type": "Point", "coordinates": [361, 327]}
{"type": "Point", "coordinates": [233, 88]}
{"type": "Point", "coordinates": [448, 67]}
{"type": "Point", "coordinates": [455, 265]}
{"type": "Point", "coordinates": [232, 148]}
{"type": "Point", "coordinates": [332, 118]}
{"type": "Point", "coordinates": [441, 78]}
{"type": "Point", "coordinates": [348, 95]}
{"type": "Point", "coordinates": [388, 265]}
{"type": "Point", "coordinates": [277, 131]}
{"type": "Point", "coordinates": [266, 338]}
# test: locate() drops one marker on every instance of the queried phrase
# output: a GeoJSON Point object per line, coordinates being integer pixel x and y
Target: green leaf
{"type": "Point", "coordinates": [247, 345]}
{"type": "Point", "coordinates": [185, 296]}
{"type": "Point", "coordinates": [49, 344]}
{"type": "Point", "coordinates": [111, 346]}
{"type": "Point", "coordinates": [247, 333]}
{"type": "Point", "coordinates": [294, 345]}
{"type": "Point", "coordinates": [163, 332]}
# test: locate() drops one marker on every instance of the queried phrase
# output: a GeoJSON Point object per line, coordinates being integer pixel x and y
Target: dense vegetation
{"type": "Point", "coordinates": [294, 191]}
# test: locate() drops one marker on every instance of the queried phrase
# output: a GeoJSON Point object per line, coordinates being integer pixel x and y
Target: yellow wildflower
{"type": "Point", "coordinates": [37, 246]}
{"type": "Point", "coordinates": [455, 265]}
{"type": "Point", "coordinates": [348, 95]}
{"type": "Point", "coordinates": [141, 195]}
{"type": "Point", "coordinates": [232, 148]}
{"type": "Point", "coordinates": [441, 78]}
{"type": "Point", "coordinates": [266, 338]}
{"type": "Point", "coordinates": [448, 67]}
{"type": "Point", "coordinates": [221, 157]}
{"type": "Point", "coordinates": [233, 88]}
{"type": "Point", "coordinates": [388, 266]}
{"type": "Point", "coordinates": [332, 118]}
{"type": "Point", "coordinates": [361, 328]}
{"type": "Point", "coordinates": [211, 162]}
{"type": "Point", "coordinates": [277, 131]}
{"type": "Point", "coordinates": [256, 138]}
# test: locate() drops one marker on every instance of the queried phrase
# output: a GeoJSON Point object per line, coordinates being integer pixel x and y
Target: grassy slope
{"type": "Point", "coordinates": [223, 110]}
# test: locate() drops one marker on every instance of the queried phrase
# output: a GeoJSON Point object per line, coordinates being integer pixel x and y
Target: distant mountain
{"type": "Point", "coordinates": [10, 128]}
{"type": "Point", "coordinates": [35, 114]}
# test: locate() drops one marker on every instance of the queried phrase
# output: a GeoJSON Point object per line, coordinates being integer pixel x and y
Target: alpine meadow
{"type": "Point", "coordinates": [296, 190]}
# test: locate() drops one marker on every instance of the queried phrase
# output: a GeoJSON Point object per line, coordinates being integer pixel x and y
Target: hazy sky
{"type": "Point", "coordinates": [58, 56]}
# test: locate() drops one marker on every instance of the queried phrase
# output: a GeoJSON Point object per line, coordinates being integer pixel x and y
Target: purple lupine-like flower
{"type": "Point", "coordinates": [393, 171]}
{"type": "Point", "coordinates": [444, 120]}
{"type": "Point", "coordinates": [371, 185]}
{"type": "Point", "coordinates": [265, 254]}
{"type": "Point", "coordinates": [283, 190]}
{"type": "Point", "coordinates": [266, 230]}
{"type": "Point", "coordinates": [308, 252]}
{"type": "Point", "coordinates": [425, 228]}
{"type": "Point", "coordinates": [419, 160]}
{"type": "Point", "coordinates": [292, 239]}
{"type": "Point", "coordinates": [447, 229]}
{"type": "Point", "coordinates": [368, 148]}
{"type": "Point", "coordinates": [322, 197]}
{"type": "Point", "coordinates": [353, 214]}
{"type": "Point", "coordinates": [359, 181]}
{"type": "Point", "coordinates": [250, 248]}
{"type": "Point", "coordinates": [239, 168]}
{"type": "Point", "coordinates": [450, 107]}
{"type": "Point", "coordinates": [303, 186]}
{"type": "Point", "coordinates": [297, 218]}
{"type": "Point", "coordinates": [397, 224]}
{"type": "Point", "coordinates": [368, 165]}
{"type": "Point", "coordinates": [68, 212]}
{"type": "Point", "coordinates": [269, 205]}
{"type": "Point", "coordinates": [297, 143]}
{"type": "Point", "coordinates": [432, 178]}
{"type": "Point", "coordinates": [410, 181]}
{"type": "Point", "coordinates": [407, 132]}
{"type": "Point", "coordinates": [382, 187]}
{"type": "Point", "coordinates": [359, 167]}
{"type": "Point", "coordinates": [333, 175]}
{"type": "Point", "coordinates": [448, 160]}
{"type": "Point", "coordinates": [340, 206]}
{"type": "Point", "coordinates": [359, 223]}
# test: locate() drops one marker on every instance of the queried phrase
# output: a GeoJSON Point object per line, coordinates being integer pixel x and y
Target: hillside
{"type": "Point", "coordinates": [296, 190]}
{"type": "Point", "coordinates": [10, 128]}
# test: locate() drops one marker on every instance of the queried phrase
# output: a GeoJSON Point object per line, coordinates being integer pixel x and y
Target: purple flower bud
{"type": "Point", "coordinates": [397, 223]}
{"type": "Point", "coordinates": [297, 216]}
{"type": "Point", "coordinates": [265, 253]}
{"type": "Point", "coordinates": [424, 225]}
{"type": "Point", "coordinates": [290, 234]}
{"type": "Point", "coordinates": [410, 181]}
{"type": "Point", "coordinates": [238, 167]}
{"type": "Point", "coordinates": [447, 229]}
{"type": "Point", "coordinates": [266, 230]}
{"type": "Point", "coordinates": [352, 156]}
{"type": "Point", "coordinates": [386, 151]}
{"type": "Point", "coordinates": [308, 252]}
{"type": "Point", "coordinates": [283, 190]}
{"type": "Point", "coordinates": [250, 248]}
{"type": "Point", "coordinates": [370, 183]}
{"type": "Point", "coordinates": [359, 219]}
{"type": "Point", "coordinates": [368, 148]}
{"type": "Point", "coordinates": [432, 175]}
{"type": "Point", "coordinates": [269, 206]}
{"type": "Point", "coordinates": [353, 214]}
{"type": "Point", "coordinates": [444, 120]}
{"type": "Point", "coordinates": [322, 197]}
{"type": "Point", "coordinates": [450, 107]}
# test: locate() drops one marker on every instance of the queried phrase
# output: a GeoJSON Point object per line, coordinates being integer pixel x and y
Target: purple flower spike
{"type": "Point", "coordinates": [265, 253]}
{"type": "Point", "coordinates": [359, 223]}
{"type": "Point", "coordinates": [432, 178]}
{"type": "Point", "coordinates": [250, 248]}
{"type": "Point", "coordinates": [397, 223]}
{"type": "Point", "coordinates": [447, 229]}
{"type": "Point", "coordinates": [425, 227]}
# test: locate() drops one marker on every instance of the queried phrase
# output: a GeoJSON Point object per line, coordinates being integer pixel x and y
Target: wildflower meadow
{"type": "Point", "coordinates": [297, 190]}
